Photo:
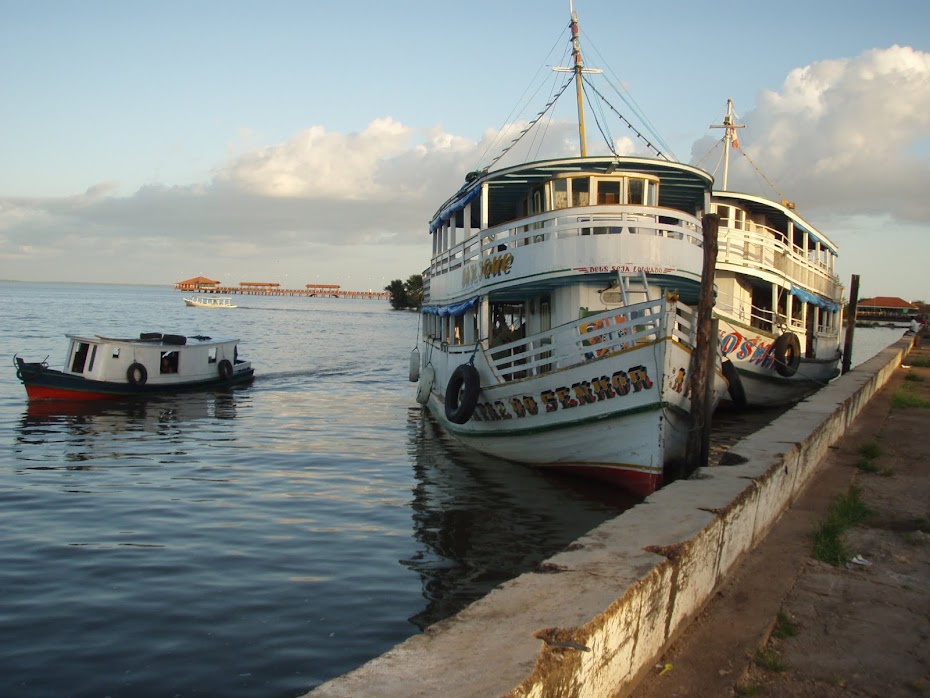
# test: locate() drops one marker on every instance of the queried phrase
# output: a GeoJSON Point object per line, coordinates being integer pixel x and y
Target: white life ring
{"type": "Point", "coordinates": [425, 386]}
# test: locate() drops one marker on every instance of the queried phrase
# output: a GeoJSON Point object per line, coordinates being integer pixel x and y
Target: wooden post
{"type": "Point", "coordinates": [704, 356]}
{"type": "Point", "coordinates": [851, 322]}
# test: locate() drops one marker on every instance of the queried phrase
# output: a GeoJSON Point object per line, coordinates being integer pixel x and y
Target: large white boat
{"type": "Point", "coordinates": [559, 312]}
{"type": "Point", "coordinates": [779, 300]}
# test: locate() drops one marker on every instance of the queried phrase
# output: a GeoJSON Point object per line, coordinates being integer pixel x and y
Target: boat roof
{"type": "Point", "coordinates": [760, 204]}
{"type": "Point", "coordinates": [162, 341]}
{"type": "Point", "coordinates": [683, 187]}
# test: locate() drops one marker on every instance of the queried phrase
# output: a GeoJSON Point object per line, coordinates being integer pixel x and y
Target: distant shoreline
{"type": "Point", "coordinates": [86, 283]}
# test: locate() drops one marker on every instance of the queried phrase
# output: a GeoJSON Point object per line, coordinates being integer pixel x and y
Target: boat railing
{"type": "Point", "coordinates": [560, 224]}
{"type": "Point", "coordinates": [589, 338]}
{"type": "Point", "coordinates": [765, 251]}
{"type": "Point", "coordinates": [767, 320]}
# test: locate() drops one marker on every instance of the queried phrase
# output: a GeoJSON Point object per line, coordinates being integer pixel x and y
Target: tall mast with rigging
{"type": "Point", "coordinates": [729, 139]}
{"type": "Point", "coordinates": [579, 69]}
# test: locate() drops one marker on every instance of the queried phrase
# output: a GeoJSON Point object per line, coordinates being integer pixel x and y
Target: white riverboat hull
{"type": "Point", "coordinates": [618, 411]}
{"type": "Point", "coordinates": [753, 355]}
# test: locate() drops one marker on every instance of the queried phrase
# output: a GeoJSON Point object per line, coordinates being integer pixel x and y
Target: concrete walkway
{"type": "Point", "coordinates": [854, 629]}
{"type": "Point", "coordinates": [594, 619]}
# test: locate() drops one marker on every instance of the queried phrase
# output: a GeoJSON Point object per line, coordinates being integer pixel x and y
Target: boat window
{"type": "Point", "coordinates": [724, 213]}
{"type": "Point", "coordinates": [211, 355]}
{"type": "Point", "coordinates": [169, 362]}
{"type": "Point", "coordinates": [538, 200]}
{"type": "Point", "coordinates": [608, 192]}
{"type": "Point", "coordinates": [80, 357]}
{"type": "Point", "coordinates": [93, 355]}
{"type": "Point", "coordinates": [560, 193]}
{"type": "Point", "coordinates": [115, 352]}
{"type": "Point", "coordinates": [508, 323]}
{"type": "Point", "coordinates": [581, 191]}
{"type": "Point", "coordinates": [653, 198]}
{"type": "Point", "coordinates": [637, 191]}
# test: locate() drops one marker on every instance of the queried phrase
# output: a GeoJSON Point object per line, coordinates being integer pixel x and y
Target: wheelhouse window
{"type": "Point", "coordinates": [560, 193]}
{"type": "Point", "coordinates": [581, 191]}
{"type": "Point", "coordinates": [637, 191]}
{"type": "Point", "coordinates": [211, 355]}
{"type": "Point", "coordinates": [80, 357]}
{"type": "Point", "coordinates": [608, 192]}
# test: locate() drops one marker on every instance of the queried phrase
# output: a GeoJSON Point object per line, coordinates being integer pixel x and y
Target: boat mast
{"type": "Point", "coordinates": [730, 139]}
{"type": "Point", "coordinates": [579, 69]}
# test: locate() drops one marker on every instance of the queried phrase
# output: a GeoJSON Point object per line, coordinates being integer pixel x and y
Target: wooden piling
{"type": "Point", "coordinates": [851, 322]}
{"type": "Point", "coordinates": [704, 356]}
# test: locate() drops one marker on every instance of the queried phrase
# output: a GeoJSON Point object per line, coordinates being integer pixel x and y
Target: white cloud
{"type": "Point", "coordinates": [841, 134]}
{"type": "Point", "coordinates": [846, 139]}
{"type": "Point", "coordinates": [843, 140]}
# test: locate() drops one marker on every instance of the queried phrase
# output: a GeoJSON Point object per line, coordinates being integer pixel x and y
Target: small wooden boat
{"type": "Point", "coordinates": [210, 302]}
{"type": "Point", "coordinates": [100, 368]}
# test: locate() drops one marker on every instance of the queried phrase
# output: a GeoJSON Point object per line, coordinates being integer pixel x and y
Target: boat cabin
{"type": "Point", "coordinates": [773, 271]}
{"type": "Point", "coordinates": [514, 258]}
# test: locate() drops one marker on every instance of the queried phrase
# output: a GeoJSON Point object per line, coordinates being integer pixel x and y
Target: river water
{"type": "Point", "coordinates": [254, 542]}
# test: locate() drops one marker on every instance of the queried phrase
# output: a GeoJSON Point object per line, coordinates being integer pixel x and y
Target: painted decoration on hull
{"type": "Point", "coordinates": [753, 350]}
{"type": "Point", "coordinates": [634, 380]}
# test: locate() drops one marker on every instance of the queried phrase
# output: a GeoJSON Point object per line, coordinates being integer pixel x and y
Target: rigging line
{"type": "Point", "coordinates": [607, 138]}
{"type": "Point", "coordinates": [628, 99]}
{"type": "Point", "coordinates": [502, 131]}
{"type": "Point", "coordinates": [760, 173]}
{"type": "Point", "coordinates": [708, 153]}
{"type": "Point", "coordinates": [524, 100]}
{"type": "Point", "coordinates": [539, 135]}
{"type": "Point", "coordinates": [532, 123]}
{"type": "Point", "coordinates": [627, 122]}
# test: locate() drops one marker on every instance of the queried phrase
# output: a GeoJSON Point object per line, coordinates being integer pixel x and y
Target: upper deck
{"type": "Point", "coordinates": [546, 222]}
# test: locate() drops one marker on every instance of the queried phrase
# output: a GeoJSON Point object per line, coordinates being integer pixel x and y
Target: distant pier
{"type": "Point", "coordinates": [202, 284]}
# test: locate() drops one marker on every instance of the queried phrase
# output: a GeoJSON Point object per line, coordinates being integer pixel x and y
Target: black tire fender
{"type": "Point", "coordinates": [226, 369]}
{"type": "Point", "coordinates": [787, 350]}
{"type": "Point", "coordinates": [462, 393]}
{"type": "Point", "coordinates": [734, 384]}
{"type": "Point", "coordinates": [137, 374]}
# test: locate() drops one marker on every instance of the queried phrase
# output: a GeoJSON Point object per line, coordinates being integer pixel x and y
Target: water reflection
{"type": "Point", "coordinates": [84, 431]}
{"type": "Point", "coordinates": [480, 521]}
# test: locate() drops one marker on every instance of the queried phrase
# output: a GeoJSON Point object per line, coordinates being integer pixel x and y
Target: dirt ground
{"type": "Point", "coordinates": [861, 629]}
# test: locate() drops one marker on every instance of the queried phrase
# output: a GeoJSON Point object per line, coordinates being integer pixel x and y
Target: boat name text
{"type": "Point", "coordinates": [579, 394]}
{"type": "Point", "coordinates": [623, 268]}
{"type": "Point", "coordinates": [485, 269]}
{"type": "Point", "coordinates": [750, 349]}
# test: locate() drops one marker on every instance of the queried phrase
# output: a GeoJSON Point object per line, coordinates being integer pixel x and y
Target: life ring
{"type": "Point", "coordinates": [787, 351]}
{"type": "Point", "coordinates": [425, 386]}
{"type": "Point", "coordinates": [136, 374]}
{"type": "Point", "coordinates": [462, 393]}
{"type": "Point", "coordinates": [734, 384]}
{"type": "Point", "coordinates": [226, 369]}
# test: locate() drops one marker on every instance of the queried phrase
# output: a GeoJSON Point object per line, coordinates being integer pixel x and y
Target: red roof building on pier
{"type": "Point", "coordinates": [196, 284]}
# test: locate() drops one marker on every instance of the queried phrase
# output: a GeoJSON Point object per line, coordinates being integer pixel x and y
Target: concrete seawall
{"type": "Point", "coordinates": [597, 615]}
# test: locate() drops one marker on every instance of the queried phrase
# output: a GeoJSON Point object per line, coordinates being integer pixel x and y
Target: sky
{"type": "Point", "coordinates": [303, 142]}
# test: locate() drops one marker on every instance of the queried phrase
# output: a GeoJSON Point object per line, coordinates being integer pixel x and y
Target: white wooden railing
{"type": "Point", "coordinates": [546, 227]}
{"type": "Point", "coordinates": [589, 338]}
{"type": "Point", "coordinates": [764, 252]}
